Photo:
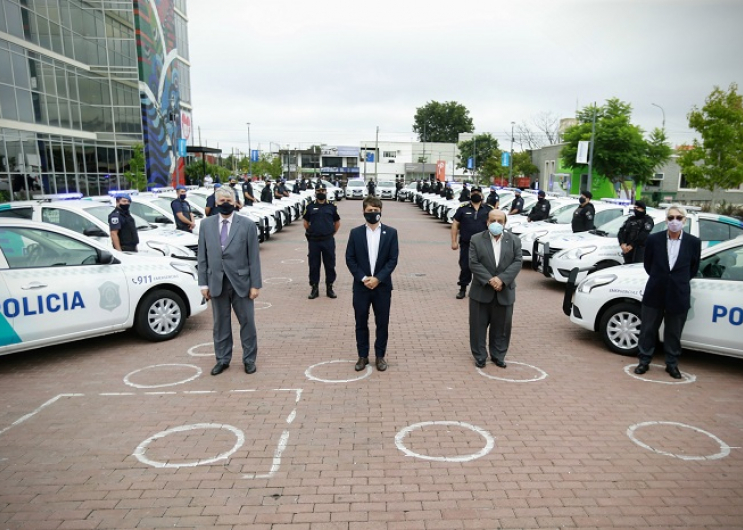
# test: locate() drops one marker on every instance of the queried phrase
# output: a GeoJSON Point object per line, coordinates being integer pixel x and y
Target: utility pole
{"type": "Point", "coordinates": [250, 155]}
{"type": "Point", "coordinates": [199, 135]}
{"type": "Point", "coordinates": [376, 155]}
{"type": "Point", "coordinates": [590, 155]}
{"type": "Point", "coordinates": [510, 159]}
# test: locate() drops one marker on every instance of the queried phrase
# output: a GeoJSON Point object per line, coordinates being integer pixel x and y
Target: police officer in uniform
{"type": "Point", "coordinates": [541, 209]}
{"type": "Point", "coordinates": [321, 222]}
{"type": "Point", "coordinates": [634, 233]}
{"type": "Point", "coordinates": [122, 225]}
{"type": "Point", "coordinates": [448, 193]}
{"type": "Point", "coordinates": [372, 187]}
{"type": "Point", "coordinates": [248, 198]}
{"type": "Point", "coordinates": [211, 206]}
{"type": "Point", "coordinates": [426, 187]}
{"type": "Point", "coordinates": [517, 206]}
{"type": "Point", "coordinates": [184, 218]}
{"type": "Point", "coordinates": [419, 186]}
{"type": "Point", "coordinates": [469, 219]}
{"type": "Point", "coordinates": [464, 195]}
{"type": "Point", "coordinates": [584, 214]}
{"type": "Point", "coordinates": [493, 198]}
{"type": "Point", "coordinates": [266, 193]}
{"type": "Point", "coordinates": [237, 192]}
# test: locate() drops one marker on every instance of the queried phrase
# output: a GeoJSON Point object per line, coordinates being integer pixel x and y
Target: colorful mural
{"type": "Point", "coordinates": [159, 89]}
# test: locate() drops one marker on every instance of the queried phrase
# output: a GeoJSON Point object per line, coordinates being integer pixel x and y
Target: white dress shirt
{"type": "Point", "coordinates": [673, 246]}
{"type": "Point", "coordinates": [496, 248]}
{"type": "Point", "coordinates": [373, 238]}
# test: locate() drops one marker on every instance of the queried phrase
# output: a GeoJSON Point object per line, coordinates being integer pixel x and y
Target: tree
{"type": "Point", "coordinates": [268, 165]}
{"type": "Point", "coordinates": [136, 176]}
{"type": "Point", "coordinates": [621, 153]}
{"type": "Point", "coordinates": [483, 148]}
{"type": "Point", "coordinates": [442, 122]}
{"type": "Point", "coordinates": [543, 130]}
{"type": "Point", "coordinates": [718, 161]}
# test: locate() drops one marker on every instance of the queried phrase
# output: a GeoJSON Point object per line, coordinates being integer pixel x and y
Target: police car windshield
{"type": "Point", "coordinates": [564, 214]}
{"type": "Point", "coordinates": [355, 183]}
{"type": "Point", "coordinates": [611, 228]}
{"type": "Point", "coordinates": [101, 213]}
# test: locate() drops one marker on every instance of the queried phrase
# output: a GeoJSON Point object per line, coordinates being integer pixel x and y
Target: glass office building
{"type": "Point", "coordinates": [82, 82]}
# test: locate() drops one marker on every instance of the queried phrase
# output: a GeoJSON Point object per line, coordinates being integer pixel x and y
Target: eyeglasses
{"type": "Point", "coordinates": [677, 217]}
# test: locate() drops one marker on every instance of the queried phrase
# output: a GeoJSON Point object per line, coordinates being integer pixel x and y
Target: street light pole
{"type": "Point", "coordinates": [250, 155]}
{"type": "Point", "coordinates": [664, 114]}
{"type": "Point", "coordinates": [510, 159]}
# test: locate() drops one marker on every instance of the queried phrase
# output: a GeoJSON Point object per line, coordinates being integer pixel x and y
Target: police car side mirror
{"type": "Point", "coordinates": [105, 257]}
{"type": "Point", "coordinates": [163, 220]}
{"type": "Point", "coordinates": [94, 232]}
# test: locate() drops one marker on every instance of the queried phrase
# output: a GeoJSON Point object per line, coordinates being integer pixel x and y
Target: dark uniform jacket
{"type": "Point", "coordinates": [247, 188]}
{"type": "Point", "coordinates": [471, 221]}
{"type": "Point", "coordinates": [127, 228]}
{"type": "Point", "coordinates": [179, 206]}
{"type": "Point", "coordinates": [493, 198]}
{"type": "Point", "coordinates": [464, 195]}
{"type": "Point", "coordinates": [540, 211]}
{"type": "Point", "coordinates": [266, 194]}
{"type": "Point", "coordinates": [322, 218]}
{"type": "Point", "coordinates": [635, 231]}
{"type": "Point", "coordinates": [583, 218]}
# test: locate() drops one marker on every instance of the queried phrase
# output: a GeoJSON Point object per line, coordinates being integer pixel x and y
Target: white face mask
{"type": "Point", "coordinates": [495, 228]}
{"type": "Point", "coordinates": [675, 226]}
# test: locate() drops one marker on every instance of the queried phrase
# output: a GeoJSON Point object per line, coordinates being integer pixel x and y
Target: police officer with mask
{"type": "Point", "coordinates": [211, 206]}
{"type": "Point", "coordinates": [469, 219]}
{"type": "Point", "coordinates": [464, 195]}
{"type": "Point", "coordinates": [122, 225]}
{"type": "Point", "coordinates": [184, 218]}
{"type": "Point", "coordinates": [237, 192]}
{"type": "Point", "coordinates": [634, 233]}
{"type": "Point", "coordinates": [321, 222]}
{"type": "Point", "coordinates": [517, 206]}
{"type": "Point", "coordinates": [493, 198]}
{"type": "Point", "coordinates": [448, 193]}
{"type": "Point", "coordinates": [247, 186]}
{"type": "Point", "coordinates": [267, 193]}
{"type": "Point", "coordinates": [541, 209]}
{"type": "Point", "coordinates": [584, 214]}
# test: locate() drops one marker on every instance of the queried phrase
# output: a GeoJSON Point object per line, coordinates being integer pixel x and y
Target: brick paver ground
{"type": "Point", "coordinates": [304, 454]}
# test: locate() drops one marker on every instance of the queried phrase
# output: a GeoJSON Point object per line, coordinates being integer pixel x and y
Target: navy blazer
{"type": "Point", "coordinates": [357, 257]}
{"type": "Point", "coordinates": [670, 289]}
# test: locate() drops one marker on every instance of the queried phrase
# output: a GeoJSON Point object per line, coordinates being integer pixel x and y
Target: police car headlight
{"type": "Point", "coordinates": [531, 236]}
{"type": "Point", "coordinates": [176, 251]}
{"type": "Point", "coordinates": [163, 248]}
{"type": "Point", "coordinates": [576, 253]}
{"type": "Point", "coordinates": [185, 268]}
{"type": "Point", "coordinates": [587, 285]}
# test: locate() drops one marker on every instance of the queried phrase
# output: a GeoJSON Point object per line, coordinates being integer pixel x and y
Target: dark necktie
{"type": "Point", "coordinates": [224, 233]}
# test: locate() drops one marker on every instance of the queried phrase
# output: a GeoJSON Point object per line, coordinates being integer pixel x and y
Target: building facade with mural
{"type": "Point", "coordinates": [83, 82]}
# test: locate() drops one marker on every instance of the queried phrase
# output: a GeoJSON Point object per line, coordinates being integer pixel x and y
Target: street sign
{"type": "Point", "coordinates": [470, 163]}
{"type": "Point", "coordinates": [505, 159]}
{"type": "Point", "coordinates": [254, 155]}
{"type": "Point", "coordinates": [182, 144]}
{"type": "Point", "coordinates": [370, 157]}
{"type": "Point", "coordinates": [581, 156]}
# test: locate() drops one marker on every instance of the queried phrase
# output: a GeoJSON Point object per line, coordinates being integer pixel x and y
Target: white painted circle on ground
{"type": "Point", "coordinates": [135, 385]}
{"type": "Point", "coordinates": [543, 374]}
{"type": "Point", "coordinates": [261, 305]}
{"type": "Point", "coordinates": [139, 452]}
{"type": "Point", "coordinates": [291, 261]}
{"type": "Point", "coordinates": [278, 279]}
{"type": "Point", "coordinates": [489, 441]}
{"type": "Point", "coordinates": [308, 373]}
{"type": "Point", "coordinates": [687, 378]}
{"type": "Point", "coordinates": [724, 448]}
{"type": "Point", "coordinates": [301, 249]}
{"type": "Point", "coordinates": [192, 350]}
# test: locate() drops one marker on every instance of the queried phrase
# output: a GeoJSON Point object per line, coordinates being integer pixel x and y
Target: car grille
{"type": "Point", "coordinates": [193, 248]}
{"type": "Point", "coordinates": [554, 251]}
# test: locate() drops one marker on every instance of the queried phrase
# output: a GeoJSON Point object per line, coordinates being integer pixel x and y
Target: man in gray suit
{"type": "Point", "coordinates": [495, 261]}
{"type": "Point", "coordinates": [230, 276]}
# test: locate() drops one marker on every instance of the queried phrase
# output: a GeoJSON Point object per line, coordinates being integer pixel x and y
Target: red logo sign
{"type": "Point", "coordinates": [185, 125]}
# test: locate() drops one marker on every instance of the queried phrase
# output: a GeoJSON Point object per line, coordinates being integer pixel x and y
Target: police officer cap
{"type": "Point", "coordinates": [217, 185]}
{"type": "Point", "coordinates": [233, 179]}
{"type": "Point", "coordinates": [640, 204]}
{"type": "Point", "coordinates": [124, 196]}
{"type": "Point", "coordinates": [587, 194]}
{"type": "Point", "coordinates": [476, 187]}
{"type": "Point", "coordinates": [541, 193]}
{"type": "Point", "coordinates": [180, 187]}
{"type": "Point", "coordinates": [517, 191]}
{"type": "Point", "coordinates": [321, 186]}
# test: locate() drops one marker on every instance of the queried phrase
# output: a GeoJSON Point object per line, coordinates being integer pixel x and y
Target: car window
{"type": "Point", "coordinates": [355, 184]}
{"type": "Point", "coordinates": [725, 265]}
{"type": "Point", "coordinates": [17, 213]}
{"type": "Point", "coordinates": [101, 213]}
{"type": "Point", "coordinates": [565, 215]}
{"type": "Point", "coordinates": [34, 247]}
{"type": "Point", "coordinates": [607, 215]}
{"type": "Point", "coordinates": [66, 219]}
{"type": "Point", "coordinates": [146, 212]}
{"type": "Point", "coordinates": [713, 230]}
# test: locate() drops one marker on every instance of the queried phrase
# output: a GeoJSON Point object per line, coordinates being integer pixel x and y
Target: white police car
{"type": "Point", "coordinates": [609, 302]}
{"type": "Point", "coordinates": [90, 218]}
{"type": "Point", "coordinates": [356, 189]}
{"type": "Point", "coordinates": [58, 286]}
{"type": "Point", "coordinates": [599, 249]}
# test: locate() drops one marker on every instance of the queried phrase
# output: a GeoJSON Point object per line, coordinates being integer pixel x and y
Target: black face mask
{"type": "Point", "coordinates": [639, 213]}
{"type": "Point", "coordinates": [182, 197]}
{"type": "Point", "coordinates": [476, 198]}
{"type": "Point", "coordinates": [321, 196]}
{"type": "Point", "coordinates": [372, 217]}
{"type": "Point", "coordinates": [582, 200]}
{"type": "Point", "coordinates": [124, 207]}
{"type": "Point", "coordinates": [232, 184]}
{"type": "Point", "coordinates": [226, 208]}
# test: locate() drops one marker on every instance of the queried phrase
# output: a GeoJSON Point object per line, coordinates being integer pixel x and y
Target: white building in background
{"type": "Point", "coordinates": [386, 161]}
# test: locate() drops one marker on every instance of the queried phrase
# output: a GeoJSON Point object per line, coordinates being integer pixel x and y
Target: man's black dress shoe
{"type": "Point", "coordinates": [480, 364]}
{"type": "Point", "coordinates": [219, 368]}
{"type": "Point", "coordinates": [673, 371]}
{"type": "Point", "coordinates": [250, 368]}
{"type": "Point", "coordinates": [361, 363]}
{"type": "Point", "coordinates": [641, 368]}
{"type": "Point", "coordinates": [381, 364]}
{"type": "Point", "coordinates": [499, 364]}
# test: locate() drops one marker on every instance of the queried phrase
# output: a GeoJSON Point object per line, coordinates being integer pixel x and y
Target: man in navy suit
{"type": "Point", "coordinates": [371, 256]}
{"type": "Point", "coordinates": [671, 261]}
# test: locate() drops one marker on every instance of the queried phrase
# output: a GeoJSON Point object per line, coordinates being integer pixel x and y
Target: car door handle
{"type": "Point", "coordinates": [34, 285]}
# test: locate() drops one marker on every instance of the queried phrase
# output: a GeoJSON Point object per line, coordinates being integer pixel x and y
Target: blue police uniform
{"type": "Point", "coordinates": [247, 188]}
{"type": "Point", "coordinates": [321, 218]}
{"type": "Point", "coordinates": [179, 206]}
{"type": "Point", "coordinates": [211, 203]}
{"type": "Point", "coordinates": [471, 221]}
{"type": "Point", "coordinates": [517, 206]}
{"type": "Point", "coordinates": [126, 226]}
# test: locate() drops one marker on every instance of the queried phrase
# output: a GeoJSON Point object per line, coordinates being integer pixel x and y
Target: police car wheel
{"type": "Point", "coordinates": [620, 328]}
{"type": "Point", "coordinates": [160, 316]}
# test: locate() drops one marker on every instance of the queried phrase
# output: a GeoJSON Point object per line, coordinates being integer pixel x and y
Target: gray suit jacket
{"type": "Point", "coordinates": [240, 260]}
{"type": "Point", "coordinates": [482, 265]}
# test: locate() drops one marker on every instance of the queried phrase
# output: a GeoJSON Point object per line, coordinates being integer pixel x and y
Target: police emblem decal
{"type": "Point", "coordinates": [110, 298]}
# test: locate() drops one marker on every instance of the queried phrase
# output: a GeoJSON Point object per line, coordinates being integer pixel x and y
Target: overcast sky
{"type": "Point", "coordinates": [326, 71]}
